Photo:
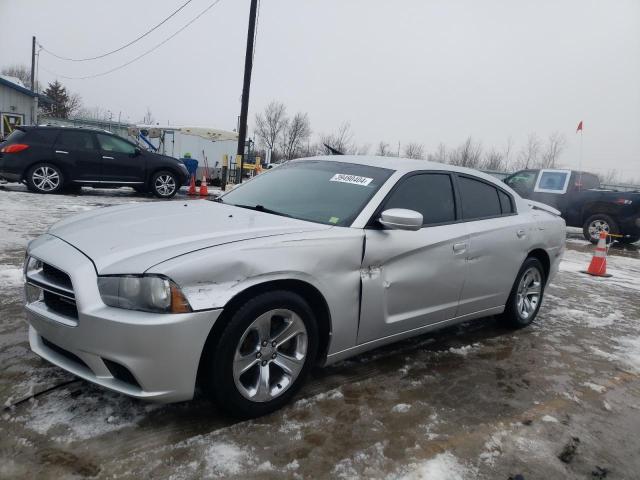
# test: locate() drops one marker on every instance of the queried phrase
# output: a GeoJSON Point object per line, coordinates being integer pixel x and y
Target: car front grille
{"type": "Point", "coordinates": [58, 294]}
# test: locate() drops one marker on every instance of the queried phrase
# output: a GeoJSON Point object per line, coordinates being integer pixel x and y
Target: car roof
{"type": "Point", "coordinates": [402, 165]}
{"type": "Point", "coordinates": [63, 127]}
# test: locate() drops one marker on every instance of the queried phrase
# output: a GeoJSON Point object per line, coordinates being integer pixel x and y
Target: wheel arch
{"type": "Point", "coordinates": [309, 292]}
{"type": "Point", "coordinates": [542, 255]}
{"type": "Point", "coordinates": [595, 208]}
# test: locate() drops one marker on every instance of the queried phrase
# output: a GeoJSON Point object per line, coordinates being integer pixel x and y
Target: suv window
{"type": "Point", "coordinates": [522, 181]}
{"type": "Point", "coordinates": [109, 143]}
{"type": "Point", "coordinates": [74, 140]}
{"type": "Point", "coordinates": [479, 199]}
{"type": "Point", "coordinates": [45, 136]}
{"type": "Point", "coordinates": [431, 194]}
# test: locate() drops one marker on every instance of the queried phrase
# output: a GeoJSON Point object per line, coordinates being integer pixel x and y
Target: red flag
{"type": "Point", "coordinates": [579, 129]}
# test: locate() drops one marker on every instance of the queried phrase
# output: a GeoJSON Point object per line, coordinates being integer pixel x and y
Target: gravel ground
{"type": "Point", "coordinates": [560, 399]}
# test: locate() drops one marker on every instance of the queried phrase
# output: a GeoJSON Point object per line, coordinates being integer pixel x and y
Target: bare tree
{"type": "Point", "coordinates": [440, 155]}
{"type": "Point", "coordinates": [467, 155]}
{"type": "Point", "coordinates": [271, 123]}
{"type": "Point", "coordinates": [74, 105]}
{"type": "Point", "coordinates": [528, 156]}
{"type": "Point", "coordinates": [556, 144]}
{"type": "Point", "coordinates": [148, 118]}
{"type": "Point", "coordinates": [611, 177]}
{"type": "Point", "coordinates": [295, 135]}
{"type": "Point", "coordinates": [22, 73]}
{"type": "Point", "coordinates": [493, 160]}
{"type": "Point", "coordinates": [414, 150]}
{"type": "Point", "coordinates": [342, 140]}
{"type": "Point", "coordinates": [383, 149]}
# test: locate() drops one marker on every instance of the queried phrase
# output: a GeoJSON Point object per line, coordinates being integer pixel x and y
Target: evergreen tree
{"type": "Point", "coordinates": [59, 108]}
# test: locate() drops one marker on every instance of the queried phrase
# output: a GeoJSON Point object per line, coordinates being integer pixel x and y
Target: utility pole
{"type": "Point", "coordinates": [34, 110]}
{"type": "Point", "coordinates": [248, 65]}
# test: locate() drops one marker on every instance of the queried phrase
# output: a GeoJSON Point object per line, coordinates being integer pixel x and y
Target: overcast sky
{"type": "Point", "coordinates": [426, 71]}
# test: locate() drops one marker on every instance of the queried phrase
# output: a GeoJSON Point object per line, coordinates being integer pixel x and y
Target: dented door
{"type": "Point", "coordinates": [411, 278]}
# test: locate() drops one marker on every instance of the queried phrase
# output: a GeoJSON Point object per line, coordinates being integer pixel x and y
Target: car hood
{"type": "Point", "coordinates": [130, 239]}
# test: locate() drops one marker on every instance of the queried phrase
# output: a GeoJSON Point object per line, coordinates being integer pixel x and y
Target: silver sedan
{"type": "Point", "coordinates": [309, 263]}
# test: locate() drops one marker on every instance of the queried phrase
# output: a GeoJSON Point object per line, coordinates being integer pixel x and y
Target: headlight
{"type": "Point", "coordinates": [32, 265]}
{"type": "Point", "coordinates": [148, 294]}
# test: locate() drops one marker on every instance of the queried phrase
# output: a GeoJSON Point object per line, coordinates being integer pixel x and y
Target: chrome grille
{"type": "Point", "coordinates": [58, 294]}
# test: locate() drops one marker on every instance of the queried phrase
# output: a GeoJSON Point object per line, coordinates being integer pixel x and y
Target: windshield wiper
{"type": "Point", "coordinates": [261, 208]}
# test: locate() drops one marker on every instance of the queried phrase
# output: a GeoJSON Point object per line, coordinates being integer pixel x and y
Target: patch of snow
{"type": "Point", "coordinates": [493, 448]}
{"type": "Point", "coordinates": [550, 419]}
{"type": "Point", "coordinates": [293, 465]}
{"type": "Point", "coordinates": [225, 459]}
{"type": "Point", "coordinates": [464, 350]}
{"type": "Point", "coordinates": [10, 276]}
{"type": "Point", "coordinates": [401, 408]}
{"type": "Point", "coordinates": [444, 466]}
{"type": "Point", "coordinates": [595, 387]}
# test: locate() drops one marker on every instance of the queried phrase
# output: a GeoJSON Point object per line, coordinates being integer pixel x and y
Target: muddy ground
{"type": "Point", "coordinates": [560, 399]}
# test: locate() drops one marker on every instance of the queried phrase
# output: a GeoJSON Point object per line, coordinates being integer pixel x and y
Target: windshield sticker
{"type": "Point", "coordinates": [355, 179]}
{"type": "Point", "coordinates": [334, 220]}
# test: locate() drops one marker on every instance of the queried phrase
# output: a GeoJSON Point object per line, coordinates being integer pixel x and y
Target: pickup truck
{"type": "Point", "coordinates": [582, 202]}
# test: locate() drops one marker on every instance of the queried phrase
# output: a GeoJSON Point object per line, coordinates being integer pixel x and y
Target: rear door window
{"type": "Point", "coordinates": [478, 199]}
{"type": "Point", "coordinates": [75, 140]}
{"type": "Point", "coordinates": [431, 194]}
{"type": "Point", "coordinates": [553, 181]}
{"type": "Point", "coordinates": [109, 143]}
{"type": "Point", "coordinates": [506, 205]}
{"type": "Point", "coordinates": [43, 136]}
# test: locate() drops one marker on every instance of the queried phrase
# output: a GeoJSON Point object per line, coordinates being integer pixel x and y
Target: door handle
{"type": "Point", "coordinates": [62, 152]}
{"type": "Point", "coordinates": [107, 158]}
{"type": "Point", "coordinates": [520, 233]}
{"type": "Point", "coordinates": [460, 247]}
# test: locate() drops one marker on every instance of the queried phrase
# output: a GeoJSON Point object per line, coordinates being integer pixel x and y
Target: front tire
{"type": "Point", "coordinates": [45, 178]}
{"type": "Point", "coordinates": [263, 355]}
{"type": "Point", "coordinates": [164, 184]}
{"type": "Point", "coordinates": [526, 295]}
{"type": "Point", "coordinates": [598, 223]}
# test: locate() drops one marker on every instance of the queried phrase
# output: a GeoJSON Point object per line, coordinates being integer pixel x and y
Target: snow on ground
{"type": "Point", "coordinates": [10, 277]}
{"type": "Point", "coordinates": [444, 466]}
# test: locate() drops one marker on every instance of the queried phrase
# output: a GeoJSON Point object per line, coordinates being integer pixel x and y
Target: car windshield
{"type": "Point", "coordinates": [319, 191]}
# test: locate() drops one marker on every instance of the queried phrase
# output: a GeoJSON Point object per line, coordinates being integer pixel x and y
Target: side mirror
{"type": "Point", "coordinates": [401, 219]}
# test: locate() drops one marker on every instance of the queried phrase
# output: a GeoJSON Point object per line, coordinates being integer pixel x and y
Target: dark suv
{"type": "Point", "coordinates": [50, 159]}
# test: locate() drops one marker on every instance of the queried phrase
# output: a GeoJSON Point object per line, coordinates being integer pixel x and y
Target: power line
{"type": "Point", "coordinates": [123, 46]}
{"type": "Point", "coordinates": [139, 56]}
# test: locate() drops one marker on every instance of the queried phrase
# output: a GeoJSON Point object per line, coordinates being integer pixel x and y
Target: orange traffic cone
{"type": "Point", "coordinates": [192, 186]}
{"type": "Point", "coordinates": [598, 265]}
{"type": "Point", "coordinates": [204, 191]}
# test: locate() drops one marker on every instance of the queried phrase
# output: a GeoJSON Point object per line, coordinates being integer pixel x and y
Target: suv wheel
{"type": "Point", "coordinates": [526, 295]}
{"type": "Point", "coordinates": [164, 184]}
{"type": "Point", "coordinates": [263, 355]}
{"type": "Point", "coordinates": [598, 223]}
{"type": "Point", "coordinates": [45, 178]}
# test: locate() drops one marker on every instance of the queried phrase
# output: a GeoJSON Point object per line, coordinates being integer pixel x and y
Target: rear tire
{"type": "Point", "coordinates": [597, 223]}
{"type": "Point", "coordinates": [45, 178]}
{"type": "Point", "coordinates": [526, 295]}
{"type": "Point", "coordinates": [164, 184]}
{"type": "Point", "coordinates": [252, 370]}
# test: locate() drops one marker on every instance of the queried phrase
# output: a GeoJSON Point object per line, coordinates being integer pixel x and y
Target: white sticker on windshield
{"type": "Point", "coordinates": [355, 179]}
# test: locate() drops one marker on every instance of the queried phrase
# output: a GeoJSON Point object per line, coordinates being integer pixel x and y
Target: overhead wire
{"type": "Point", "coordinates": [123, 46]}
{"type": "Point", "coordinates": [141, 55]}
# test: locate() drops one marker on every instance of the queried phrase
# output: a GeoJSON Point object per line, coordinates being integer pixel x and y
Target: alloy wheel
{"type": "Point", "coordinates": [45, 179]}
{"type": "Point", "coordinates": [598, 226]}
{"type": "Point", "coordinates": [165, 185]}
{"type": "Point", "coordinates": [270, 355]}
{"type": "Point", "coordinates": [529, 292]}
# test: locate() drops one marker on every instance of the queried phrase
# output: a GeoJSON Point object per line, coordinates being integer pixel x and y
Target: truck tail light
{"type": "Point", "coordinates": [15, 148]}
{"type": "Point", "coordinates": [623, 201]}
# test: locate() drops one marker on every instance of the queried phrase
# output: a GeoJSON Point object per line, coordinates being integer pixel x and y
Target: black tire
{"type": "Point", "coordinates": [218, 376]}
{"type": "Point", "coordinates": [605, 222]}
{"type": "Point", "coordinates": [512, 316]}
{"type": "Point", "coordinates": [164, 177]}
{"type": "Point", "coordinates": [54, 182]}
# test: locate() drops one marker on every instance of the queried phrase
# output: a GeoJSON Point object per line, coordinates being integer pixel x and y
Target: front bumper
{"type": "Point", "coordinates": [160, 352]}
